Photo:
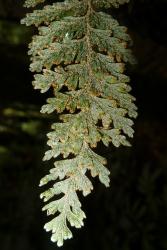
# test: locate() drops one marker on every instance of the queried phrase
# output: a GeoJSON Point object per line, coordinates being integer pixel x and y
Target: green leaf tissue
{"type": "Point", "coordinates": [80, 53]}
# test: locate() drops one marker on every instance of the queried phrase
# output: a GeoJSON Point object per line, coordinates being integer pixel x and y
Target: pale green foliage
{"type": "Point", "coordinates": [32, 3]}
{"type": "Point", "coordinates": [80, 53]}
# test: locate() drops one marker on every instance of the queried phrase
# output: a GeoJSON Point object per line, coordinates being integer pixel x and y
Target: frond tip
{"type": "Point", "coordinates": [83, 49]}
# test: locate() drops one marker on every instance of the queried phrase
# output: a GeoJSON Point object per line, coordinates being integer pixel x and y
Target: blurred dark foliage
{"type": "Point", "coordinates": [132, 213]}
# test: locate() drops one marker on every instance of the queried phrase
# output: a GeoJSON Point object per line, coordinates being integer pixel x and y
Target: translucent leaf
{"type": "Point", "coordinates": [80, 54]}
{"type": "Point", "coordinates": [60, 231]}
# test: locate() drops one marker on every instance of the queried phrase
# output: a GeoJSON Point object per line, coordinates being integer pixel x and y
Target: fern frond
{"type": "Point", "coordinates": [84, 50]}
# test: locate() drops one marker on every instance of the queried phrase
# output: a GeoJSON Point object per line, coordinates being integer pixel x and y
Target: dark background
{"type": "Point", "coordinates": [132, 213]}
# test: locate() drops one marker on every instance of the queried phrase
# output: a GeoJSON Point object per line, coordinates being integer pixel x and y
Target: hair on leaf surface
{"type": "Point", "coordinates": [80, 53]}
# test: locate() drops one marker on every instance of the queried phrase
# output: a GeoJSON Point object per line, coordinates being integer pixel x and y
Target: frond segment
{"type": "Point", "coordinates": [80, 53]}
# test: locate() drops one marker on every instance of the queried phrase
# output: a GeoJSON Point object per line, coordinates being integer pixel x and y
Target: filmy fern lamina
{"type": "Point", "coordinates": [80, 52]}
